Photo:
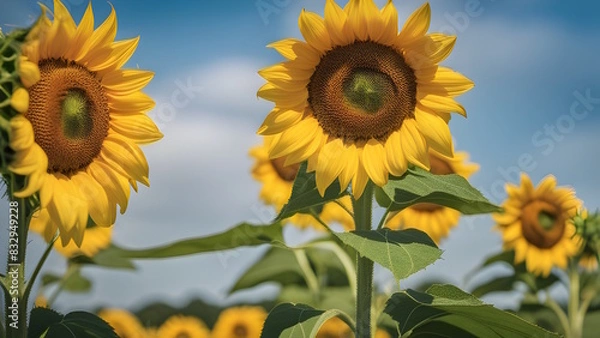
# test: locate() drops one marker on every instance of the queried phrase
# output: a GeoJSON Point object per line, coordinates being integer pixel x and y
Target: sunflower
{"type": "Point", "coordinates": [41, 301]}
{"type": "Point", "coordinates": [277, 181]}
{"type": "Point", "coordinates": [240, 322]}
{"type": "Point", "coordinates": [382, 334]}
{"type": "Point", "coordinates": [95, 238]}
{"type": "Point", "coordinates": [359, 100]}
{"type": "Point", "coordinates": [183, 327]}
{"type": "Point", "coordinates": [124, 323]}
{"type": "Point", "coordinates": [435, 220]}
{"type": "Point", "coordinates": [335, 328]}
{"type": "Point", "coordinates": [88, 117]}
{"type": "Point", "coordinates": [537, 224]}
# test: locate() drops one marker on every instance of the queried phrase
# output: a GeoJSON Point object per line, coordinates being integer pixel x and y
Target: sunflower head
{"type": "Point", "coordinates": [87, 118]}
{"type": "Point", "coordinates": [435, 220]}
{"type": "Point", "coordinates": [359, 99]}
{"type": "Point", "coordinates": [537, 224]}
{"type": "Point", "coordinates": [588, 227]}
{"type": "Point", "coordinates": [183, 327]}
{"type": "Point", "coordinates": [125, 324]}
{"type": "Point", "coordinates": [240, 322]}
{"type": "Point", "coordinates": [335, 328]}
{"type": "Point", "coordinates": [277, 179]}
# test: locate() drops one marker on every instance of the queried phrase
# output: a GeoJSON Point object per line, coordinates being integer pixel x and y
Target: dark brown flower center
{"type": "Point", "coordinates": [542, 224]}
{"type": "Point", "coordinates": [240, 331]}
{"type": "Point", "coordinates": [69, 112]}
{"type": "Point", "coordinates": [438, 167]}
{"type": "Point", "coordinates": [286, 173]}
{"type": "Point", "coordinates": [183, 335]}
{"type": "Point", "coordinates": [362, 91]}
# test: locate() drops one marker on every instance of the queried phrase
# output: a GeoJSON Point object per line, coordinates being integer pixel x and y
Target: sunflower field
{"type": "Point", "coordinates": [310, 189]}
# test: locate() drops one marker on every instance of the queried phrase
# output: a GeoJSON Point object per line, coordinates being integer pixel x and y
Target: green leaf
{"type": "Point", "coordinates": [50, 278]}
{"type": "Point", "coordinates": [278, 265]}
{"type": "Point", "coordinates": [494, 285]}
{"type": "Point", "coordinates": [421, 186]}
{"type": "Point", "coordinates": [76, 324]}
{"type": "Point", "coordinates": [416, 311]}
{"type": "Point", "coordinates": [298, 321]}
{"type": "Point", "coordinates": [109, 257]}
{"type": "Point", "coordinates": [328, 298]}
{"type": "Point", "coordinates": [244, 234]}
{"type": "Point", "coordinates": [77, 283]}
{"type": "Point", "coordinates": [403, 252]}
{"type": "Point", "coordinates": [306, 196]}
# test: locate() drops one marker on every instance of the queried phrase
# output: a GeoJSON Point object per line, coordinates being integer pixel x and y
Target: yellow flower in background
{"type": "Point", "coordinates": [537, 224]}
{"type": "Point", "coordinates": [589, 261]}
{"type": "Point", "coordinates": [433, 219]}
{"type": "Point", "coordinates": [41, 301]}
{"type": "Point", "coordinates": [335, 328]}
{"type": "Point", "coordinates": [240, 322]}
{"type": "Point", "coordinates": [360, 100]}
{"type": "Point", "coordinates": [95, 238]}
{"type": "Point", "coordinates": [183, 327]}
{"type": "Point", "coordinates": [123, 322]}
{"type": "Point", "coordinates": [382, 334]}
{"type": "Point", "coordinates": [277, 181]}
{"type": "Point", "coordinates": [88, 117]}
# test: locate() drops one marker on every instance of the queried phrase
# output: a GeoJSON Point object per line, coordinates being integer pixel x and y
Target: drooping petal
{"type": "Point", "coordinates": [279, 120]}
{"type": "Point", "coordinates": [414, 144]}
{"type": "Point", "coordinates": [373, 160]}
{"type": "Point", "coordinates": [329, 165]}
{"type": "Point", "coordinates": [440, 104]}
{"type": "Point", "coordinates": [396, 160]}
{"type": "Point", "coordinates": [436, 131]}
{"type": "Point", "coordinates": [295, 138]}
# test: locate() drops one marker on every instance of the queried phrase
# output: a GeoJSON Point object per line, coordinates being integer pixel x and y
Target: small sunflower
{"type": "Point", "coordinates": [277, 180]}
{"type": "Point", "coordinates": [435, 220]}
{"type": "Point", "coordinates": [240, 322]}
{"type": "Point", "coordinates": [125, 324]}
{"type": "Point", "coordinates": [183, 327]}
{"type": "Point", "coordinates": [95, 238]}
{"type": "Point", "coordinates": [335, 328]}
{"type": "Point", "coordinates": [41, 301]}
{"type": "Point", "coordinates": [360, 100]}
{"type": "Point", "coordinates": [382, 334]}
{"type": "Point", "coordinates": [537, 224]}
{"type": "Point", "coordinates": [88, 117]}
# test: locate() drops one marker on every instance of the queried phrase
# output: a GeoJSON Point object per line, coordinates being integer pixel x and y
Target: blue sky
{"type": "Point", "coordinates": [532, 62]}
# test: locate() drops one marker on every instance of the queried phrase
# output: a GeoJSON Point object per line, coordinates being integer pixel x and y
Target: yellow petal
{"type": "Point", "coordinates": [296, 100]}
{"type": "Point", "coordinates": [279, 120]}
{"type": "Point", "coordinates": [360, 178]}
{"type": "Point", "coordinates": [20, 100]}
{"type": "Point", "coordinates": [396, 159]}
{"type": "Point", "coordinates": [102, 37]}
{"type": "Point", "coordinates": [389, 16]}
{"type": "Point", "coordinates": [28, 71]}
{"type": "Point", "coordinates": [440, 104]}
{"type": "Point", "coordinates": [313, 30]}
{"type": "Point", "coordinates": [416, 25]}
{"type": "Point", "coordinates": [429, 50]}
{"type": "Point", "coordinates": [414, 144]}
{"type": "Point", "coordinates": [138, 127]}
{"type": "Point", "coordinates": [546, 186]}
{"type": "Point", "coordinates": [374, 161]}
{"type": "Point", "coordinates": [329, 165]}
{"type": "Point", "coordinates": [350, 160]}
{"type": "Point", "coordinates": [82, 34]}
{"type": "Point", "coordinates": [137, 102]}
{"type": "Point", "coordinates": [364, 19]}
{"type": "Point", "coordinates": [296, 50]}
{"type": "Point", "coordinates": [295, 137]}
{"type": "Point", "coordinates": [101, 211]}
{"type": "Point", "coordinates": [125, 82]}
{"type": "Point", "coordinates": [122, 154]}
{"type": "Point", "coordinates": [283, 75]}
{"type": "Point", "coordinates": [120, 52]}
{"type": "Point", "coordinates": [445, 82]}
{"type": "Point", "coordinates": [526, 185]}
{"type": "Point", "coordinates": [336, 24]}
{"type": "Point", "coordinates": [307, 151]}
{"type": "Point", "coordinates": [116, 187]}
{"type": "Point", "coordinates": [436, 132]}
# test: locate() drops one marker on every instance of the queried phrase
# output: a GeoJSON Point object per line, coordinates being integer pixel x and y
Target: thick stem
{"type": "Point", "coordinates": [573, 307]}
{"type": "Point", "coordinates": [364, 273]}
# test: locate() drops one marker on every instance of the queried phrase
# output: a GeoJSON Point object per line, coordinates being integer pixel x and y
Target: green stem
{"type": "Point", "coordinates": [37, 270]}
{"type": "Point", "coordinates": [364, 280]}
{"type": "Point", "coordinates": [562, 316]}
{"type": "Point", "coordinates": [309, 276]}
{"type": "Point", "coordinates": [573, 306]}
